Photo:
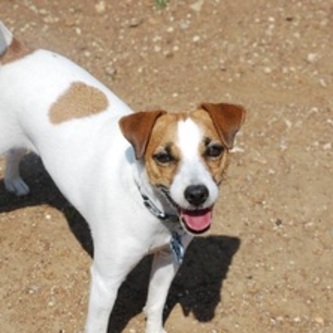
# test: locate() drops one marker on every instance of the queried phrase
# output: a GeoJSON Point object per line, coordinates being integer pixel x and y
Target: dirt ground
{"type": "Point", "coordinates": [267, 264]}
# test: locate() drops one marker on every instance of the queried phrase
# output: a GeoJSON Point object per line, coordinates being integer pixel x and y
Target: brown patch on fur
{"type": "Point", "coordinates": [217, 166]}
{"type": "Point", "coordinates": [163, 139]}
{"type": "Point", "coordinates": [15, 51]}
{"type": "Point", "coordinates": [79, 101]}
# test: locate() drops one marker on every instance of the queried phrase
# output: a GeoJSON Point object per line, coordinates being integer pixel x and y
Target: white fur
{"type": "Point", "coordinates": [192, 170]}
{"type": "Point", "coordinates": [94, 167]}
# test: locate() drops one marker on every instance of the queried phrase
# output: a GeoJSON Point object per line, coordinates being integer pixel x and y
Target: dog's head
{"type": "Point", "coordinates": [185, 155]}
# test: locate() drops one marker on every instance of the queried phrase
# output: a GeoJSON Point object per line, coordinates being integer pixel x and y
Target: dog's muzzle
{"type": "Point", "coordinates": [196, 195]}
{"type": "Point", "coordinates": [195, 219]}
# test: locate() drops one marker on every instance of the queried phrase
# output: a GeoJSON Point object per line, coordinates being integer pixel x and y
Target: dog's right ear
{"type": "Point", "coordinates": [137, 128]}
{"type": "Point", "coordinates": [227, 118]}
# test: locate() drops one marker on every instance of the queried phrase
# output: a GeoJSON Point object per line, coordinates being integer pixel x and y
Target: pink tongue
{"type": "Point", "coordinates": [197, 220]}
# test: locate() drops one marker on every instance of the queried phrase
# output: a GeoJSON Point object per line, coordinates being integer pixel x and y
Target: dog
{"type": "Point", "coordinates": [146, 182]}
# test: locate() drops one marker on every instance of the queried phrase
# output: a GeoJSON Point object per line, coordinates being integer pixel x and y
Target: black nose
{"type": "Point", "coordinates": [196, 195]}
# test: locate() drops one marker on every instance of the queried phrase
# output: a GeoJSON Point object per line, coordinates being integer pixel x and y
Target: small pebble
{"type": "Point", "coordinates": [319, 320]}
{"type": "Point", "coordinates": [100, 7]}
{"type": "Point", "coordinates": [195, 39]}
{"type": "Point", "coordinates": [327, 146]}
{"type": "Point", "coordinates": [197, 6]}
{"type": "Point", "coordinates": [312, 58]}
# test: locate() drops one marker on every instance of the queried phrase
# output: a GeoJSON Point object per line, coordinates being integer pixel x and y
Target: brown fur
{"type": "Point", "coordinates": [79, 101]}
{"type": "Point", "coordinates": [15, 51]}
{"type": "Point", "coordinates": [217, 166]}
{"type": "Point", "coordinates": [155, 132]}
{"type": "Point", "coordinates": [163, 135]}
{"type": "Point", "coordinates": [227, 118]}
{"type": "Point", "coordinates": [137, 128]}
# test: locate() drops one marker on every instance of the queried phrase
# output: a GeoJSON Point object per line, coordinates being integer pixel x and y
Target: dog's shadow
{"type": "Point", "coordinates": [197, 286]}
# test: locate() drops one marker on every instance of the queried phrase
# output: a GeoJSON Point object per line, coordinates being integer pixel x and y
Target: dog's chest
{"type": "Point", "coordinates": [162, 236]}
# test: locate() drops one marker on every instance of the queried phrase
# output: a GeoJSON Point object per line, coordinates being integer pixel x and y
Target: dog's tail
{"type": "Point", "coordinates": [6, 38]}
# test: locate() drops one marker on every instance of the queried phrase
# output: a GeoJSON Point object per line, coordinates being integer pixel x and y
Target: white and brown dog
{"type": "Point", "coordinates": [146, 182]}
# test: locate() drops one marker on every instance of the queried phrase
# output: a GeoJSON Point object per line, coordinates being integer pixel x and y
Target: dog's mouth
{"type": "Point", "coordinates": [195, 221]}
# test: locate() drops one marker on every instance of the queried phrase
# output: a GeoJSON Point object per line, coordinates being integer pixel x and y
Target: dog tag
{"type": "Point", "coordinates": [176, 247]}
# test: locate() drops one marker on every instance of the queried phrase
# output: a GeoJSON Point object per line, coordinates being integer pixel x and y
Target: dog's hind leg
{"type": "Point", "coordinates": [13, 181]}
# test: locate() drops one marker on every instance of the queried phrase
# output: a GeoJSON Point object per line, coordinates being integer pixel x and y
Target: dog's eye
{"type": "Point", "coordinates": [214, 151]}
{"type": "Point", "coordinates": [163, 157]}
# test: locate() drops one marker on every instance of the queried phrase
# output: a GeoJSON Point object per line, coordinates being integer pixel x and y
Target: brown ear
{"type": "Point", "coordinates": [137, 128]}
{"type": "Point", "coordinates": [227, 119]}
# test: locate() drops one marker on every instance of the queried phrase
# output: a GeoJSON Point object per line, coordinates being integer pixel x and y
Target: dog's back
{"type": "Point", "coordinates": [51, 106]}
{"type": "Point", "coordinates": [45, 91]}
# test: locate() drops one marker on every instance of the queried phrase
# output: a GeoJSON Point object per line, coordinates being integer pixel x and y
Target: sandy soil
{"type": "Point", "coordinates": [267, 264]}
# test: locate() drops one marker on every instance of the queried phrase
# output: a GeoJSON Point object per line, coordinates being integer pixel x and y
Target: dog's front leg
{"type": "Point", "coordinates": [107, 274]}
{"type": "Point", "coordinates": [103, 293]}
{"type": "Point", "coordinates": [163, 270]}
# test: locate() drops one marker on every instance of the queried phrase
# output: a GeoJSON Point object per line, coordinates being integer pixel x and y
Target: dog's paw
{"type": "Point", "coordinates": [155, 329]}
{"type": "Point", "coordinates": [160, 331]}
{"type": "Point", "coordinates": [17, 186]}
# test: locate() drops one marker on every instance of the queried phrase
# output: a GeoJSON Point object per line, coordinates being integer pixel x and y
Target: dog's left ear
{"type": "Point", "coordinates": [137, 128]}
{"type": "Point", "coordinates": [227, 118]}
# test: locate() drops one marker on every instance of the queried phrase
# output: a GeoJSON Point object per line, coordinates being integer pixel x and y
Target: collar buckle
{"type": "Point", "coordinates": [157, 212]}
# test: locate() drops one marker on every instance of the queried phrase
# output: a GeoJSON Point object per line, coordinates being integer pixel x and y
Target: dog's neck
{"type": "Point", "coordinates": [161, 215]}
{"type": "Point", "coordinates": [159, 206]}
{"type": "Point", "coordinates": [153, 199]}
